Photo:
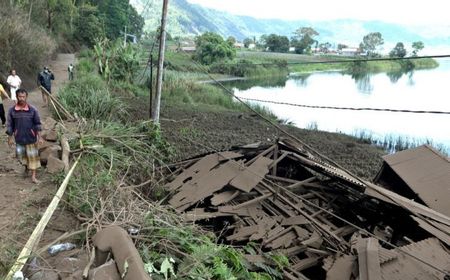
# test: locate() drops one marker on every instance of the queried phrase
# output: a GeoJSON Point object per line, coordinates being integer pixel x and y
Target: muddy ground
{"type": "Point", "coordinates": [22, 203]}
{"type": "Point", "coordinates": [193, 131]}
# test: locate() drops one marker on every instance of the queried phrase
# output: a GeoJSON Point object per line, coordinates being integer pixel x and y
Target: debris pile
{"type": "Point", "coordinates": [328, 222]}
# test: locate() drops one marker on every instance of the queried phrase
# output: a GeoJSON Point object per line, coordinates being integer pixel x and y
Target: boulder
{"type": "Point", "coordinates": [107, 271]}
{"type": "Point", "coordinates": [50, 135]}
{"type": "Point", "coordinates": [54, 165]}
{"type": "Point", "coordinates": [48, 124]}
{"type": "Point", "coordinates": [49, 151]}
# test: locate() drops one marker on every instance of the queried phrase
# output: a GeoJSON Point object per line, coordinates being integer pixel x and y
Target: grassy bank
{"type": "Point", "coordinates": [120, 166]}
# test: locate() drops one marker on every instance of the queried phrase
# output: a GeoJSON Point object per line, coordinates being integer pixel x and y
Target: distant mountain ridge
{"type": "Point", "coordinates": [186, 19]}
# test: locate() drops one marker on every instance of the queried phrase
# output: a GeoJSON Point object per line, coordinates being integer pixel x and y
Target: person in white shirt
{"type": "Point", "coordinates": [14, 83]}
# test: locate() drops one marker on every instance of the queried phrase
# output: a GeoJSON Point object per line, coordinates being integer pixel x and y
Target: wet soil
{"type": "Point", "coordinates": [197, 130]}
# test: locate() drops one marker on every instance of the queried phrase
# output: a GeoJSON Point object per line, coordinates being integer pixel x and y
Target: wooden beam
{"type": "Point", "coordinates": [37, 233]}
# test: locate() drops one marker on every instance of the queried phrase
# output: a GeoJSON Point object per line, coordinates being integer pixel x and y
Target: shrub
{"type": "Point", "coordinates": [89, 97]}
{"type": "Point", "coordinates": [23, 46]}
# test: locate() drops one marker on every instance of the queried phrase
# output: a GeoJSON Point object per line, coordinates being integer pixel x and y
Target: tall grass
{"type": "Point", "coordinates": [179, 90]}
{"type": "Point", "coordinates": [395, 143]}
{"type": "Point", "coordinates": [89, 97]}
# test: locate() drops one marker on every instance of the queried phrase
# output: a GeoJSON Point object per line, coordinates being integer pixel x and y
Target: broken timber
{"type": "Point", "coordinates": [320, 216]}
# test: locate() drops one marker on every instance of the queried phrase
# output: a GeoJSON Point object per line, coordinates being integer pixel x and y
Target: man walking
{"type": "Point", "coordinates": [45, 80]}
{"type": "Point", "coordinates": [23, 127]}
{"type": "Point", "coordinates": [14, 83]}
{"type": "Point", "coordinates": [70, 71]}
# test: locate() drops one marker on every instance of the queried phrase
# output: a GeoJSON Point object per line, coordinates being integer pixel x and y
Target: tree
{"type": "Point", "coordinates": [261, 43]}
{"type": "Point", "coordinates": [417, 46]}
{"type": "Point", "coordinates": [231, 40]}
{"type": "Point", "coordinates": [247, 42]}
{"type": "Point", "coordinates": [303, 39]}
{"type": "Point", "coordinates": [276, 43]}
{"type": "Point", "coordinates": [371, 42]}
{"type": "Point", "coordinates": [324, 47]}
{"type": "Point", "coordinates": [116, 14]}
{"type": "Point", "coordinates": [398, 51]}
{"type": "Point", "coordinates": [341, 46]}
{"type": "Point", "coordinates": [88, 26]}
{"type": "Point", "coordinates": [211, 47]}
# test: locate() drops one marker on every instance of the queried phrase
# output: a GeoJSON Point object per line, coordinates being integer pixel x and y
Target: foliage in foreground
{"type": "Point", "coordinates": [193, 254]}
{"type": "Point", "coordinates": [118, 159]}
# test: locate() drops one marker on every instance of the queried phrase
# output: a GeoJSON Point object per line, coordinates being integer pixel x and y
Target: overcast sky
{"type": "Point", "coordinates": [428, 12]}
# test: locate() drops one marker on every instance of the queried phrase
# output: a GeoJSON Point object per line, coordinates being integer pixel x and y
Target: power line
{"type": "Point", "coordinates": [347, 108]}
{"type": "Point", "coordinates": [322, 156]}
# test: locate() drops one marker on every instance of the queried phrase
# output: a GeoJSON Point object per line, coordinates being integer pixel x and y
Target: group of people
{"type": "Point", "coordinates": [23, 125]}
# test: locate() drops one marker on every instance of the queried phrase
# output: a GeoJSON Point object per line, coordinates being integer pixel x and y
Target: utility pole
{"type": "Point", "coordinates": [125, 37]}
{"type": "Point", "coordinates": [159, 73]}
{"type": "Point", "coordinates": [151, 83]}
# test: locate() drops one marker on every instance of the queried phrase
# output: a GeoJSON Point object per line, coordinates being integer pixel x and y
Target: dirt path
{"type": "Point", "coordinates": [21, 202]}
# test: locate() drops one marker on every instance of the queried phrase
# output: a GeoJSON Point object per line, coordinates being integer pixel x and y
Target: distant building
{"type": "Point", "coordinates": [251, 46]}
{"type": "Point", "coordinates": [239, 45]}
{"type": "Point", "coordinates": [188, 48]}
{"type": "Point", "coordinates": [291, 49]}
{"type": "Point", "coordinates": [349, 51]}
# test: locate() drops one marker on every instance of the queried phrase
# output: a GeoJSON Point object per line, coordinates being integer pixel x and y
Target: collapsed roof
{"type": "Point", "coordinates": [330, 223]}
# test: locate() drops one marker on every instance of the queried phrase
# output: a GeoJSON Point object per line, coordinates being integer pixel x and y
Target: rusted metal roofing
{"type": "Point", "coordinates": [405, 267]}
{"type": "Point", "coordinates": [427, 173]}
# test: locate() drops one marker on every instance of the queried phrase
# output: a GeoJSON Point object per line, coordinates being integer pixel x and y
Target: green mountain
{"type": "Point", "coordinates": [185, 19]}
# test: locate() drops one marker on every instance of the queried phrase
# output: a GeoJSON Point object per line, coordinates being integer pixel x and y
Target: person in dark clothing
{"type": "Point", "coordinates": [44, 79]}
{"type": "Point", "coordinates": [23, 127]}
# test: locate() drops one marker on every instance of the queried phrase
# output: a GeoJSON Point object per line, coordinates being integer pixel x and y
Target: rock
{"type": "Point", "coordinates": [50, 135]}
{"type": "Point", "coordinates": [107, 271]}
{"type": "Point", "coordinates": [54, 165]}
{"type": "Point", "coordinates": [49, 151]}
{"type": "Point", "coordinates": [44, 145]}
{"type": "Point", "coordinates": [45, 275]}
{"type": "Point", "coordinates": [48, 124]}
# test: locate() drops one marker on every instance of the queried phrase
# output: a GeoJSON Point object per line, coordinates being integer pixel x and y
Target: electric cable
{"type": "Point", "coordinates": [347, 108]}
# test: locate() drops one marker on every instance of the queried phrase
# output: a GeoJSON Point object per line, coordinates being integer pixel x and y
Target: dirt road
{"type": "Point", "coordinates": [22, 202]}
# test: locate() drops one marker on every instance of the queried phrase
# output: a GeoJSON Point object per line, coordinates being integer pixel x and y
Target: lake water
{"type": "Point", "coordinates": [420, 90]}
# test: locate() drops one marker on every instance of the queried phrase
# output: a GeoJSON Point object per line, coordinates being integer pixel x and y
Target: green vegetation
{"type": "Point", "coordinates": [181, 251]}
{"type": "Point", "coordinates": [371, 42]}
{"type": "Point", "coordinates": [24, 46]}
{"type": "Point", "coordinates": [210, 48]}
{"type": "Point", "coordinates": [396, 143]}
{"type": "Point", "coordinates": [304, 39]}
{"type": "Point", "coordinates": [30, 31]}
{"type": "Point", "coordinates": [118, 154]}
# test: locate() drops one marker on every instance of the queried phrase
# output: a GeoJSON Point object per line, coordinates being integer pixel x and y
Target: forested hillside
{"type": "Point", "coordinates": [189, 19]}
{"type": "Point", "coordinates": [30, 31]}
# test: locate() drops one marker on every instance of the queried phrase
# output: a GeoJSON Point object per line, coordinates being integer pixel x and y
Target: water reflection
{"type": "Point", "coordinates": [301, 80]}
{"type": "Point", "coordinates": [362, 80]}
{"type": "Point", "coordinates": [272, 82]}
{"type": "Point", "coordinates": [394, 76]}
{"type": "Point", "coordinates": [408, 90]}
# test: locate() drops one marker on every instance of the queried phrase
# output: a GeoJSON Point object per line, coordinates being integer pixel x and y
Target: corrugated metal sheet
{"type": "Point", "coordinates": [405, 267]}
{"type": "Point", "coordinates": [427, 173]}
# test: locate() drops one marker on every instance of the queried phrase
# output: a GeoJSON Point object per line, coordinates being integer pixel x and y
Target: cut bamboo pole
{"type": "Point", "coordinates": [67, 113]}
{"type": "Point", "coordinates": [65, 152]}
{"type": "Point", "coordinates": [37, 233]}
